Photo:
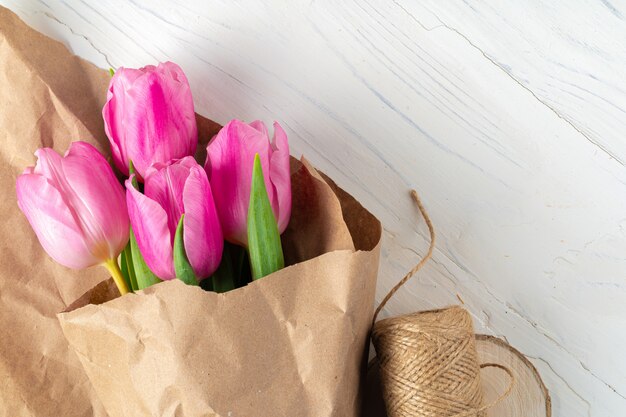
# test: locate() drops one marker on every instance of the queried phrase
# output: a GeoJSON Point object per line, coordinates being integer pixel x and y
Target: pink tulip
{"type": "Point", "coordinates": [75, 205]}
{"type": "Point", "coordinates": [171, 190]}
{"type": "Point", "coordinates": [149, 116]}
{"type": "Point", "coordinates": [230, 158]}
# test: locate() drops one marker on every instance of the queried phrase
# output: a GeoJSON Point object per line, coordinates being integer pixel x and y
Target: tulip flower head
{"type": "Point", "coordinates": [172, 190]}
{"type": "Point", "coordinates": [229, 166]}
{"type": "Point", "coordinates": [149, 116]}
{"type": "Point", "coordinates": [75, 205]}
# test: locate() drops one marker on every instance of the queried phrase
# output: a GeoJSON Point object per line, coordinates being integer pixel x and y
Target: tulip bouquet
{"type": "Point", "coordinates": [199, 333]}
{"type": "Point", "coordinates": [186, 235]}
{"type": "Point", "coordinates": [217, 225]}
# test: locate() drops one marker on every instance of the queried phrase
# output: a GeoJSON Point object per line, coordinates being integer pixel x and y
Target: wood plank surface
{"type": "Point", "coordinates": [508, 118]}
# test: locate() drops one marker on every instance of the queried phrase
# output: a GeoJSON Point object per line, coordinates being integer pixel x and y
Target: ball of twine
{"type": "Point", "coordinates": [428, 360]}
{"type": "Point", "coordinates": [429, 365]}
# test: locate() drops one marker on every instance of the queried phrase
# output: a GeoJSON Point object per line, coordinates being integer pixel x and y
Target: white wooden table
{"type": "Point", "coordinates": [509, 118]}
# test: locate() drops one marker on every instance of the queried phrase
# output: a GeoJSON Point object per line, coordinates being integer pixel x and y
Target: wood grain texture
{"type": "Point", "coordinates": [508, 118]}
{"type": "Point", "coordinates": [528, 396]}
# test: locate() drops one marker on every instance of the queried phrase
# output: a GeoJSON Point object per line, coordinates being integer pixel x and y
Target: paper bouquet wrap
{"type": "Point", "coordinates": [291, 344]}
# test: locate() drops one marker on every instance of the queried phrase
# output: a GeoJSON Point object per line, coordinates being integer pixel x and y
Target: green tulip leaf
{"type": "Point", "coordinates": [126, 265]}
{"type": "Point", "coordinates": [111, 72]}
{"type": "Point", "coordinates": [132, 275]}
{"type": "Point", "coordinates": [144, 277]}
{"type": "Point", "coordinates": [264, 247]}
{"type": "Point", "coordinates": [184, 271]}
{"type": "Point", "coordinates": [124, 268]}
{"type": "Point", "coordinates": [131, 171]}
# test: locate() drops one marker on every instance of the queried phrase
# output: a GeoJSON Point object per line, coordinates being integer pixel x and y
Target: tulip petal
{"type": "Point", "coordinates": [113, 114]}
{"type": "Point", "coordinates": [53, 222]}
{"type": "Point", "coordinates": [49, 163]}
{"type": "Point", "coordinates": [149, 223]}
{"type": "Point", "coordinates": [165, 186]}
{"type": "Point", "coordinates": [172, 70]}
{"type": "Point", "coordinates": [110, 115]}
{"type": "Point", "coordinates": [104, 200]}
{"type": "Point", "coordinates": [202, 235]}
{"type": "Point", "coordinates": [168, 130]}
{"type": "Point", "coordinates": [281, 177]}
{"type": "Point", "coordinates": [187, 162]}
{"type": "Point", "coordinates": [149, 116]}
{"type": "Point", "coordinates": [260, 126]}
{"type": "Point", "coordinates": [98, 207]}
{"type": "Point", "coordinates": [230, 157]}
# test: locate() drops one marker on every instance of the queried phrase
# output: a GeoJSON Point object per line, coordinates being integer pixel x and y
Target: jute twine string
{"type": "Point", "coordinates": [420, 264]}
{"type": "Point", "coordinates": [428, 360]}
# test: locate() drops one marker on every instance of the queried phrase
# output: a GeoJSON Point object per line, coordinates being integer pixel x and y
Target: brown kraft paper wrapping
{"type": "Point", "coordinates": [290, 344]}
{"type": "Point", "coordinates": [47, 98]}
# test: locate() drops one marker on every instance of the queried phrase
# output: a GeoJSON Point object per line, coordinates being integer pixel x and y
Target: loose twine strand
{"type": "Point", "coordinates": [429, 254]}
{"type": "Point", "coordinates": [428, 360]}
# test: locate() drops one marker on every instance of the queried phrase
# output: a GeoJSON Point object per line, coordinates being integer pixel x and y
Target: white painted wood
{"type": "Point", "coordinates": [509, 118]}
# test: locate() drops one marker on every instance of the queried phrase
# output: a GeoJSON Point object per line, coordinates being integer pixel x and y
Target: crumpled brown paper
{"type": "Point", "coordinates": [290, 344]}
{"type": "Point", "coordinates": [48, 97]}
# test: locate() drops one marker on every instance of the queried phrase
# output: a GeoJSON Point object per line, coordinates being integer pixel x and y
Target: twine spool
{"type": "Point", "coordinates": [428, 360]}
{"type": "Point", "coordinates": [429, 365]}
